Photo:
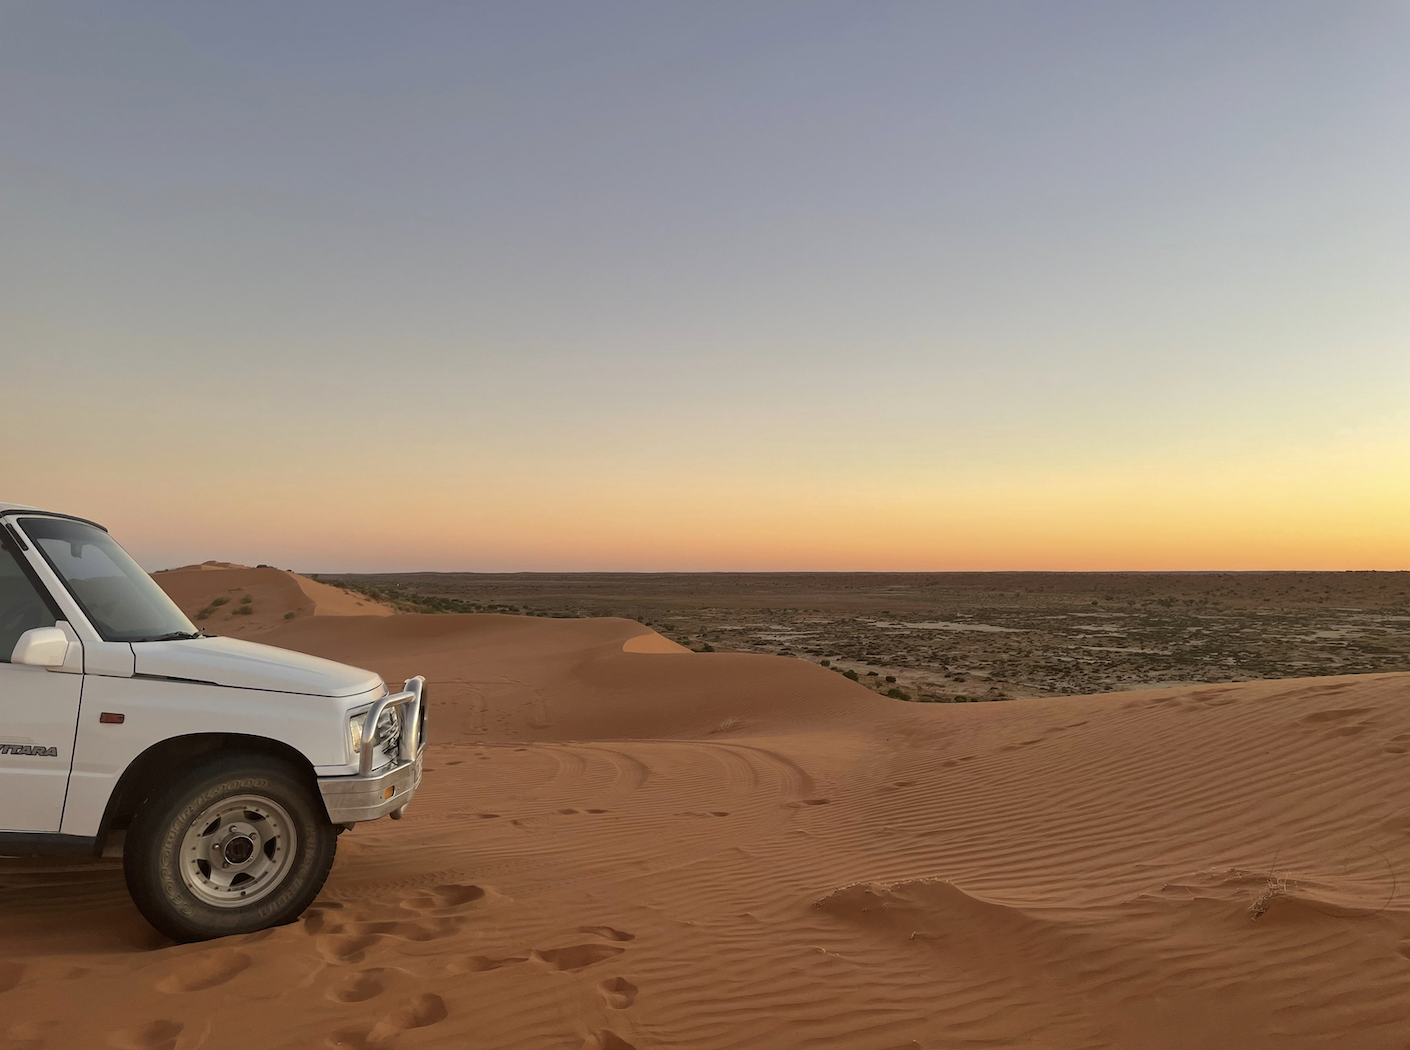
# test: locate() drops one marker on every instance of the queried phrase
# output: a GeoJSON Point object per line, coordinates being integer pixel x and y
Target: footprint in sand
{"type": "Point", "coordinates": [339, 948]}
{"type": "Point", "coordinates": [1334, 715]}
{"type": "Point", "coordinates": [607, 933]}
{"type": "Point", "coordinates": [576, 957]}
{"type": "Point", "coordinates": [154, 1035]}
{"type": "Point", "coordinates": [11, 973]}
{"type": "Point", "coordinates": [481, 963]}
{"type": "Point", "coordinates": [451, 895]}
{"type": "Point", "coordinates": [204, 971]}
{"type": "Point", "coordinates": [317, 920]}
{"type": "Point", "coordinates": [619, 992]}
{"type": "Point", "coordinates": [420, 1011]}
{"type": "Point", "coordinates": [28, 1035]}
{"type": "Point", "coordinates": [607, 1041]}
{"type": "Point", "coordinates": [359, 987]}
{"type": "Point", "coordinates": [426, 930]}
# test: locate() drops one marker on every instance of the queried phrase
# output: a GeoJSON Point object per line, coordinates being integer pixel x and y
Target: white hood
{"type": "Point", "coordinates": [249, 665]}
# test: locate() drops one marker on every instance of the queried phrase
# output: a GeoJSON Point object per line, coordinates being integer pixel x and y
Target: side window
{"type": "Point", "coordinates": [22, 606]}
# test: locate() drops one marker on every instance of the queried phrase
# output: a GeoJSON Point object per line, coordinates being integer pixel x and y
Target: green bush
{"type": "Point", "coordinates": [891, 678]}
{"type": "Point", "coordinates": [247, 600]}
{"type": "Point", "coordinates": [827, 663]}
{"type": "Point", "coordinates": [216, 603]}
{"type": "Point", "coordinates": [244, 610]}
{"type": "Point", "coordinates": [289, 615]}
{"type": "Point", "coordinates": [852, 675]}
{"type": "Point", "coordinates": [898, 694]}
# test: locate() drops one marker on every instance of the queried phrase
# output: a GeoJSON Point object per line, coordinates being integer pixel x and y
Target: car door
{"type": "Point", "coordinates": [38, 707]}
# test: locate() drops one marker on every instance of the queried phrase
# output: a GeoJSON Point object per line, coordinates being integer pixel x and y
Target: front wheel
{"type": "Point", "coordinates": [234, 846]}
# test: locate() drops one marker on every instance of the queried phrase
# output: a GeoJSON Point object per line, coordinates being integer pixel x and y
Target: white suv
{"type": "Point", "coordinates": [225, 769]}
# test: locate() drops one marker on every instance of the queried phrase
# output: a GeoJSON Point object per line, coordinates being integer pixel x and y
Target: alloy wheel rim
{"type": "Point", "coordinates": [237, 851]}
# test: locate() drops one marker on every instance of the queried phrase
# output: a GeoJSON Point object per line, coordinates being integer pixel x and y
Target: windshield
{"type": "Point", "coordinates": [123, 603]}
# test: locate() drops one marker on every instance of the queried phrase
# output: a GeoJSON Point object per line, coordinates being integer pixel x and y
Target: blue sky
{"type": "Point", "coordinates": [702, 279]}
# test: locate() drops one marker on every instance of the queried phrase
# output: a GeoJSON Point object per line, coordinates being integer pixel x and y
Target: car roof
{"type": "Point", "coordinates": [12, 508]}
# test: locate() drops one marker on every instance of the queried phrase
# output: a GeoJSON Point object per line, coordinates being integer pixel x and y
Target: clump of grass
{"type": "Point", "coordinates": [247, 600]}
{"type": "Point", "coordinates": [852, 675]}
{"type": "Point", "coordinates": [244, 610]}
{"type": "Point", "coordinates": [1275, 887]}
{"type": "Point", "coordinates": [726, 724]}
{"type": "Point", "coordinates": [897, 693]}
{"type": "Point", "coordinates": [289, 615]}
{"type": "Point", "coordinates": [215, 604]}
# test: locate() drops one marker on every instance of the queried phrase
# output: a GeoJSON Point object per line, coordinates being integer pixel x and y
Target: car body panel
{"type": "Point", "coordinates": [240, 664]}
{"type": "Point", "coordinates": [154, 710]}
{"type": "Point", "coordinates": [38, 708]}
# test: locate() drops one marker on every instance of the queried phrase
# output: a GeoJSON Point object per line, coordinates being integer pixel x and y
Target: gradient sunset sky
{"type": "Point", "coordinates": [814, 285]}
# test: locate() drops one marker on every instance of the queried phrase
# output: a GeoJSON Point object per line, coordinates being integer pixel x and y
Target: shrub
{"type": "Point", "coordinates": [289, 615]}
{"type": "Point", "coordinates": [216, 603]}
{"type": "Point", "coordinates": [244, 610]}
{"type": "Point", "coordinates": [707, 648]}
{"type": "Point", "coordinates": [204, 614]}
{"type": "Point", "coordinates": [247, 600]}
{"type": "Point", "coordinates": [827, 663]}
{"type": "Point", "coordinates": [872, 674]}
{"type": "Point", "coordinates": [898, 694]}
{"type": "Point", "coordinates": [852, 675]}
{"type": "Point", "coordinates": [891, 678]}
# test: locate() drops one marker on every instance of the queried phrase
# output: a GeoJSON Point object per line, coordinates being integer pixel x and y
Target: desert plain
{"type": "Point", "coordinates": [623, 843]}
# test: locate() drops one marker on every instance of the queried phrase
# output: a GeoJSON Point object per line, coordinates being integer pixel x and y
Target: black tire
{"type": "Point", "coordinates": [152, 860]}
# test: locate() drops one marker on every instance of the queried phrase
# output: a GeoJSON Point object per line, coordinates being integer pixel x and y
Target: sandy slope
{"type": "Point", "coordinates": [275, 594]}
{"type": "Point", "coordinates": [618, 848]}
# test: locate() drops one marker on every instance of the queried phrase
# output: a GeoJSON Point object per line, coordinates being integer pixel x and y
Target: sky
{"type": "Point", "coordinates": [818, 285]}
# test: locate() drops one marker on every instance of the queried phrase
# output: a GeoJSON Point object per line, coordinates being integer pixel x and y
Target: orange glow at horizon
{"type": "Point", "coordinates": [1343, 507]}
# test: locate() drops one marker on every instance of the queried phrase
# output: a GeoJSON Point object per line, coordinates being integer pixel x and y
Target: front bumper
{"type": "Point", "coordinates": [353, 799]}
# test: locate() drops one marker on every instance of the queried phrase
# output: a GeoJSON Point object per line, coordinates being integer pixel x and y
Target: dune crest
{"type": "Point", "coordinates": [615, 850]}
{"type": "Point", "coordinates": [652, 643]}
{"type": "Point", "coordinates": [213, 593]}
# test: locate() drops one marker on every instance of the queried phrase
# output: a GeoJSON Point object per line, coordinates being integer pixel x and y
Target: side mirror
{"type": "Point", "coordinates": [41, 647]}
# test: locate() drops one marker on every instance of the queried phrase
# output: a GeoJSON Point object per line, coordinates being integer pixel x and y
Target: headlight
{"type": "Point", "coordinates": [388, 730]}
{"type": "Point", "coordinates": [355, 732]}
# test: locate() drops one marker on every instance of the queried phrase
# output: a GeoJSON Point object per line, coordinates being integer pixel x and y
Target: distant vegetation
{"type": "Point", "coordinates": [215, 604]}
{"type": "Point", "coordinates": [405, 600]}
{"type": "Point", "coordinates": [978, 637]}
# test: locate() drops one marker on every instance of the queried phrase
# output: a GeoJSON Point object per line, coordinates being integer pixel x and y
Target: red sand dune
{"type": "Point", "coordinates": [618, 848]}
{"type": "Point", "coordinates": [275, 593]}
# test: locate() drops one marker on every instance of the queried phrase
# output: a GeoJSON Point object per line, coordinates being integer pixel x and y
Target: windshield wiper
{"type": "Point", "coordinates": [175, 636]}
